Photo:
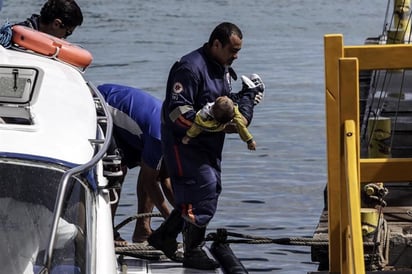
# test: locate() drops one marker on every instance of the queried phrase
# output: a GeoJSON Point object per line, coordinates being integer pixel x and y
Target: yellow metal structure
{"type": "Point", "coordinates": [401, 27]}
{"type": "Point", "coordinates": [378, 134]}
{"type": "Point", "coordinates": [346, 170]}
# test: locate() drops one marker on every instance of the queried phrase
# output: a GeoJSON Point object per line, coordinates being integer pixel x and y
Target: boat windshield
{"type": "Point", "coordinates": [27, 198]}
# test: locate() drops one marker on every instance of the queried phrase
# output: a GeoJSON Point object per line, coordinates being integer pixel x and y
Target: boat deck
{"type": "Point", "coordinates": [138, 258]}
{"type": "Point", "coordinates": [139, 266]}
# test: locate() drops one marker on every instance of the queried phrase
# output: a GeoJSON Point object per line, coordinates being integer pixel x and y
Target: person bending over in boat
{"type": "Point", "coordinates": [196, 79]}
{"type": "Point", "coordinates": [136, 133]}
{"type": "Point", "coordinates": [57, 17]}
{"type": "Point", "coordinates": [215, 116]}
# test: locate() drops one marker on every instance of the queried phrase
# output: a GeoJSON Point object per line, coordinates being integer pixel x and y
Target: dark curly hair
{"type": "Point", "coordinates": [66, 10]}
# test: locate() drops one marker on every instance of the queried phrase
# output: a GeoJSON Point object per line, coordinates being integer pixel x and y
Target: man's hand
{"type": "Point", "coordinates": [186, 140]}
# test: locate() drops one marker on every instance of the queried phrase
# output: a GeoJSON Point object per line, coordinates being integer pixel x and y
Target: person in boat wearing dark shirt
{"type": "Point", "coordinates": [197, 79]}
{"type": "Point", "coordinates": [57, 17]}
{"type": "Point", "coordinates": [136, 132]}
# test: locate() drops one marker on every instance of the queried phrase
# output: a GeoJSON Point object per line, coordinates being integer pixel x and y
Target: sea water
{"type": "Point", "coordinates": [277, 190]}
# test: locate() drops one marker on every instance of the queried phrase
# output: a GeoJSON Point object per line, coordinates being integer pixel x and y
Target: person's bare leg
{"type": "Point", "coordinates": [142, 228]}
{"type": "Point", "coordinates": [156, 194]}
{"type": "Point", "coordinates": [149, 194]}
{"type": "Point", "coordinates": [166, 185]}
{"type": "Point", "coordinates": [168, 190]}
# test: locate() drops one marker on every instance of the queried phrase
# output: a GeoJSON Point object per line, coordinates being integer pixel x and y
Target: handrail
{"type": "Point", "coordinates": [342, 66]}
{"type": "Point", "coordinates": [346, 171]}
{"type": "Point", "coordinates": [354, 242]}
{"type": "Point", "coordinates": [76, 171]}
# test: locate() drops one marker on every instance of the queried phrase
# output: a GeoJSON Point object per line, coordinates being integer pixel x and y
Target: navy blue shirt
{"type": "Point", "coordinates": [193, 81]}
{"type": "Point", "coordinates": [32, 22]}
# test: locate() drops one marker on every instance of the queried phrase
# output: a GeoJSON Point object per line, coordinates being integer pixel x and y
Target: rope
{"type": "Point", "coordinates": [283, 241]}
{"type": "Point", "coordinates": [140, 250]}
{"type": "Point", "coordinates": [137, 246]}
{"type": "Point", "coordinates": [6, 35]}
{"type": "Point", "coordinates": [221, 236]}
{"type": "Point", "coordinates": [137, 216]}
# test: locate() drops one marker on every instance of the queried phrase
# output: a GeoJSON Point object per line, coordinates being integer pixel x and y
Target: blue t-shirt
{"type": "Point", "coordinates": [136, 120]}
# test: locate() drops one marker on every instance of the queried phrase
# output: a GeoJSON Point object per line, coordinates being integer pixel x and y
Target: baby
{"type": "Point", "coordinates": [215, 116]}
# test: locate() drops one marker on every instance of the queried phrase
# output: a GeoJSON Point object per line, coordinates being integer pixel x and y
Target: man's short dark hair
{"type": "Point", "coordinates": [223, 31]}
{"type": "Point", "coordinates": [66, 10]}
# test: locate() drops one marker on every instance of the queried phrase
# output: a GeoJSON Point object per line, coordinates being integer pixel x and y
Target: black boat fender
{"type": "Point", "coordinates": [224, 254]}
{"type": "Point", "coordinates": [227, 259]}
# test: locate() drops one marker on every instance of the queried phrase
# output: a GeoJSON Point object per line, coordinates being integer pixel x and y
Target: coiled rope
{"type": "Point", "coordinates": [138, 250]}
{"type": "Point", "coordinates": [6, 35]}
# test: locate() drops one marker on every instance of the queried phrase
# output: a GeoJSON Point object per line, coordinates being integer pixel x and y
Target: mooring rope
{"type": "Point", "coordinates": [282, 241]}
{"type": "Point", "coordinates": [221, 236]}
{"type": "Point", "coordinates": [249, 239]}
{"type": "Point", "coordinates": [134, 217]}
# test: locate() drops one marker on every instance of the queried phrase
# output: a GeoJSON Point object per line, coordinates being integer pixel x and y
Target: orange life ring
{"type": "Point", "coordinates": [49, 45]}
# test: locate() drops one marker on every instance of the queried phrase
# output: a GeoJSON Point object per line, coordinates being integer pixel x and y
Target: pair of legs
{"type": "Point", "coordinates": [151, 189]}
{"type": "Point", "coordinates": [197, 200]}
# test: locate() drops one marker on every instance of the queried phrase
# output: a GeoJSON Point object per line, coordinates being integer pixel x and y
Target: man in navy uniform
{"type": "Point", "coordinates": [197, 79]}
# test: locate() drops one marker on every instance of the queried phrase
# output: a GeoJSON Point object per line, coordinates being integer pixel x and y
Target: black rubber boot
{"type": "Point", "coordinates": [195, 256]}
{"type": "Point", "coordinates": [164, 238]}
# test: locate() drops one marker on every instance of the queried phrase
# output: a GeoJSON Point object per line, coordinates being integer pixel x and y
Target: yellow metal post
{"type": "Point", "coordinates": [349, 110]}
{"type": "Point", "coordinates": [355, 263]}
{"type": "Point", "coordinates": [352, 249]}
{"type": "Point", "coordinates": [333, 51]}
{"type": "Point", "coordinates": [401, 29]}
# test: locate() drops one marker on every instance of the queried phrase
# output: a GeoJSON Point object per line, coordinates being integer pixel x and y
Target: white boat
{"type": "Point", "coordinates": [55, 132]}
{"type": "Point", "coordinates": [55, 207]}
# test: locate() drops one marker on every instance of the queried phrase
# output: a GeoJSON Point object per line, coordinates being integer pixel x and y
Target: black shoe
{"type": "Point", "coordinates": [164, 238]}
{"type": "Point", "coordinates": [167, 245]}
{"type": "Point", "coordinates": [195, 256]}
{"type": "Point", "coordinates": [198, 258]}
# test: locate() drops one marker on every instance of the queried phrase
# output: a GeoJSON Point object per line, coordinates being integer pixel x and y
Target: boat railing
{"type": "Point", "coordinates": [101, 147]}
{"type": "Point", "coordinates": [352, 229]}
{"type": "Point", "coordinates": [346, 170]}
